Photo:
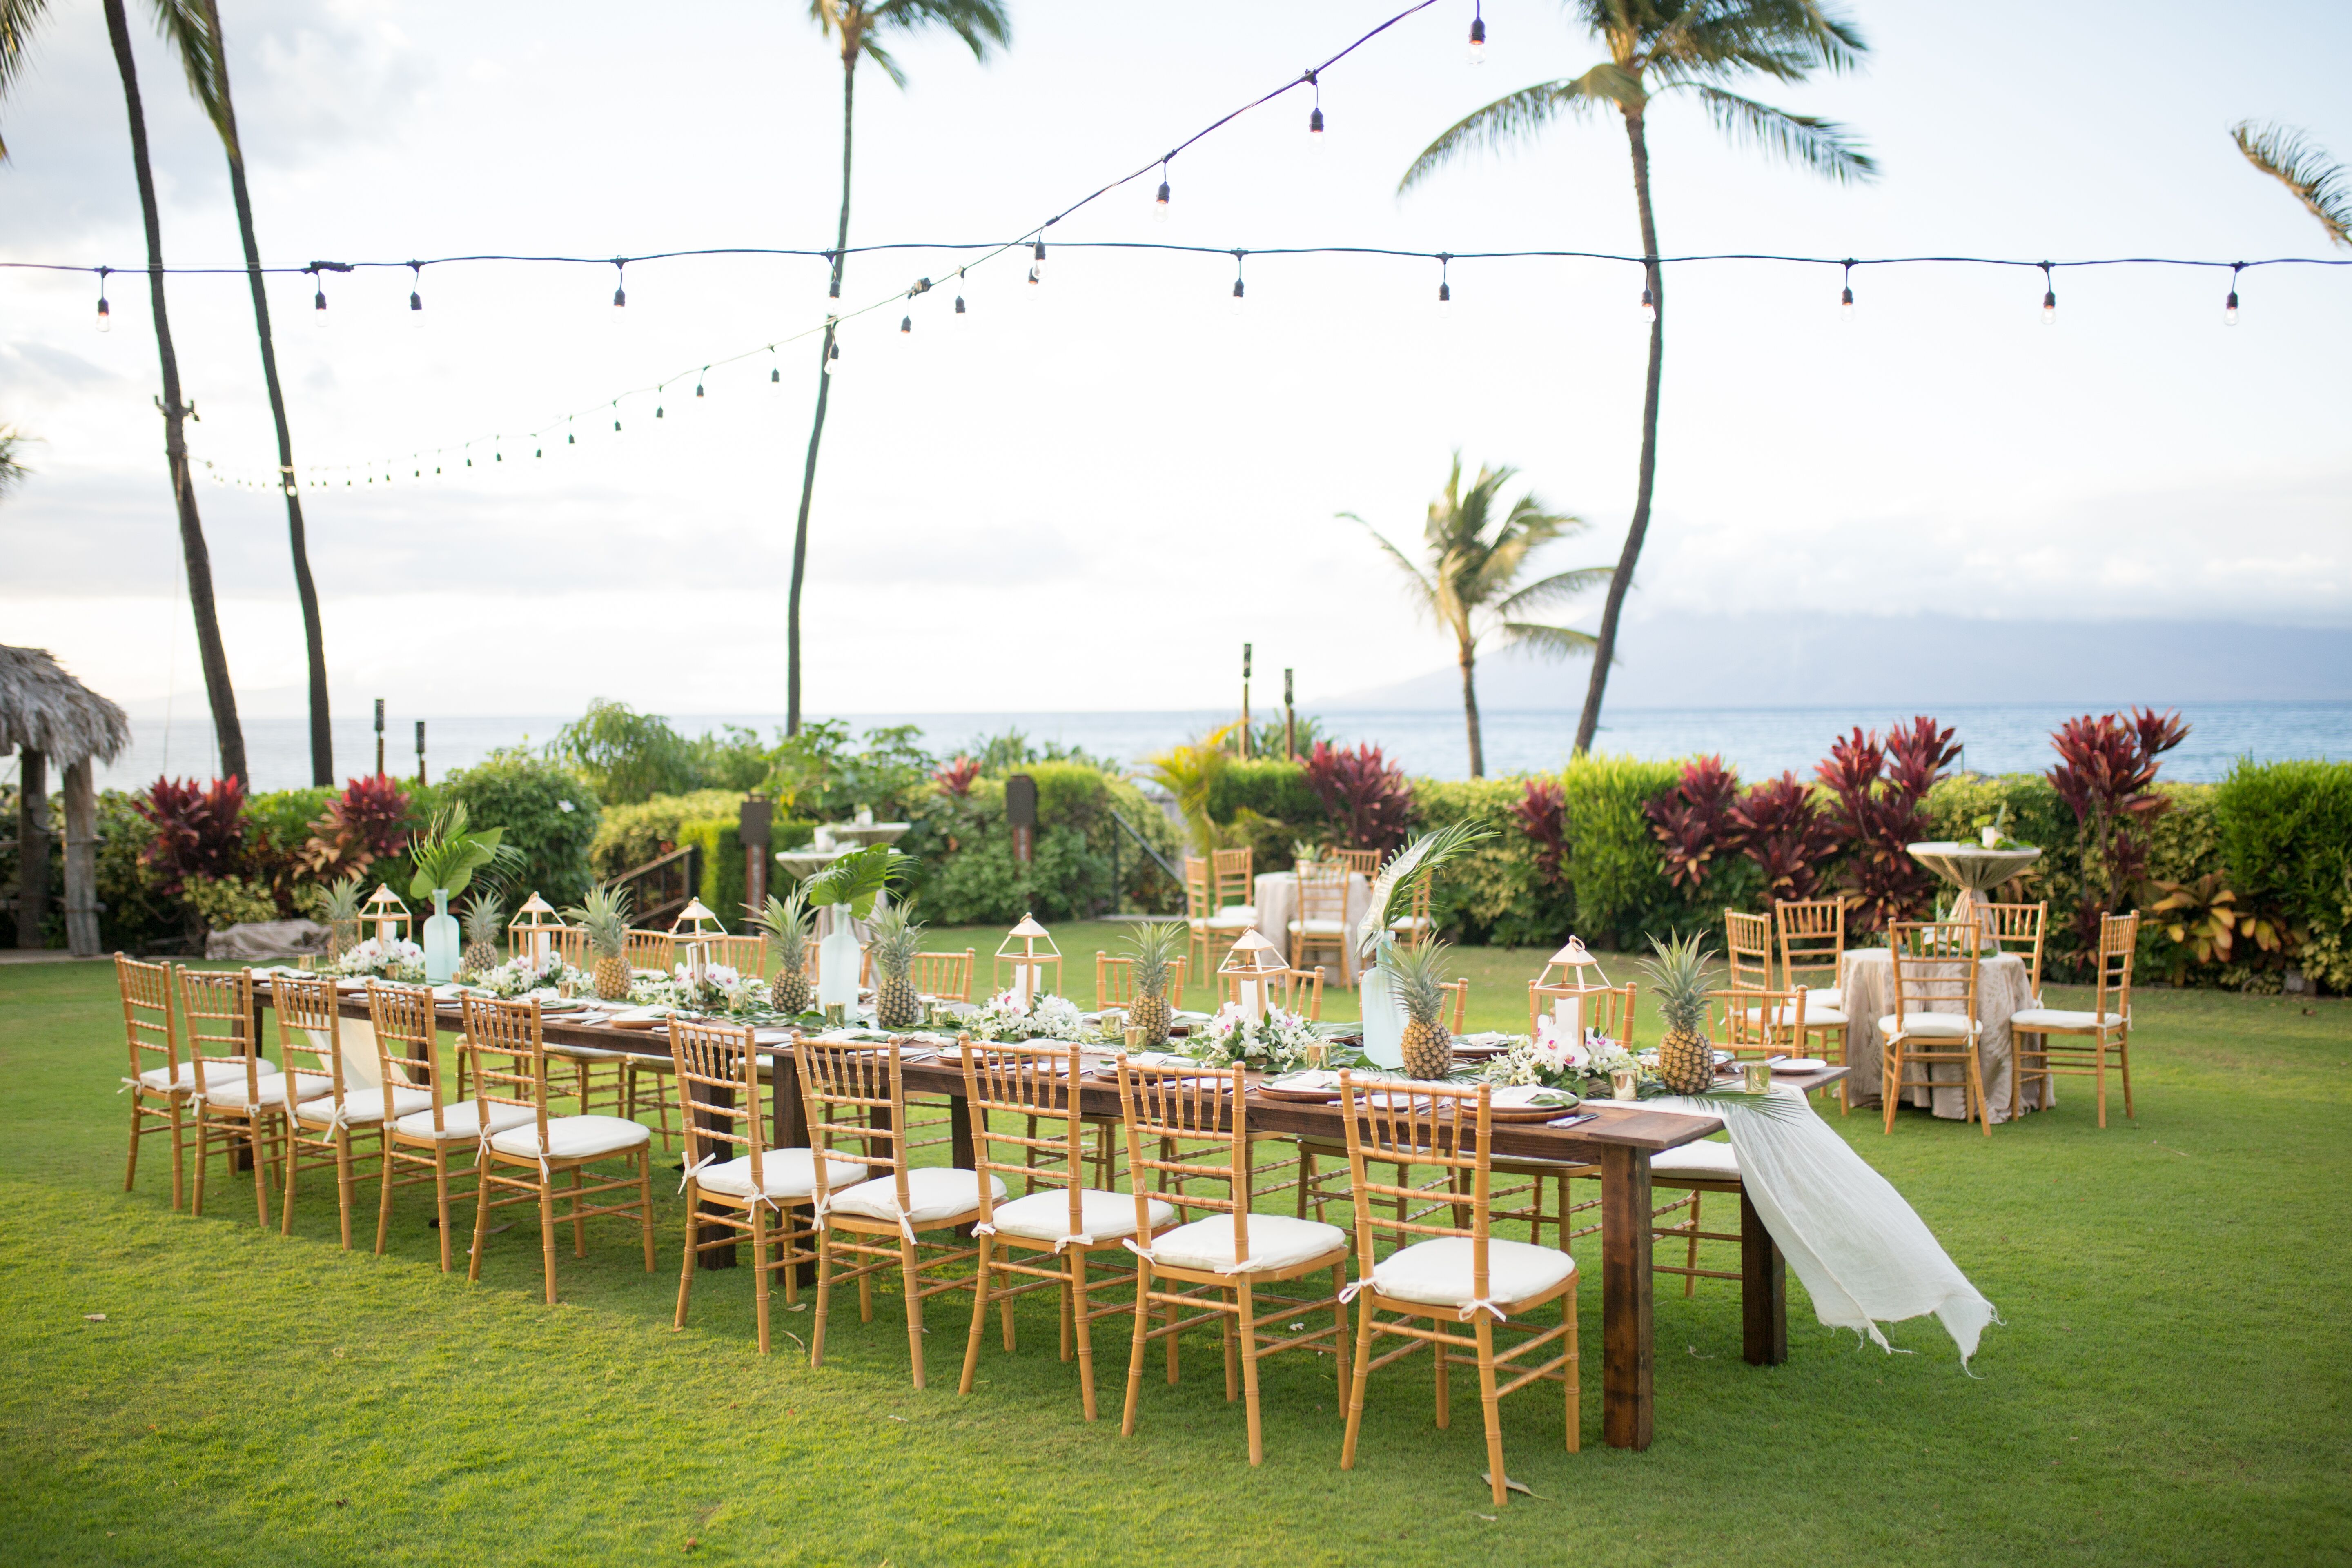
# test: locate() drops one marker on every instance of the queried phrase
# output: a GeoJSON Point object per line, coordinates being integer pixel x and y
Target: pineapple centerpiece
{"type": "Point", "coordinates": [339, 912]}
{"type": "Point", "coordinates": [1685, 1055]}
{"type": "Point", "coordinates": [486, 916]}
{"type": "Point", "coordinates": [896, 1006]}
{"type": "Point", "coordinates": [604, 914]}
{"type": "Point", "coordinates": [1156, 948]}
{"type": "Point", "coordinates": [1415, 981]}
{"type": "Point", "coordinates": [786, 922]}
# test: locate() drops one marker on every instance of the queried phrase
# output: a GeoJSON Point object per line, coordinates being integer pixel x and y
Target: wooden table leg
{"type": "Point", "coordinates": [1625, 1332]}
{"type": "Point", "coordinates": [1763, 1290]}
{"type": "Point", "coordinates": [704, 1102]}
{"type": "Point", "coordinates": [791, 1124]}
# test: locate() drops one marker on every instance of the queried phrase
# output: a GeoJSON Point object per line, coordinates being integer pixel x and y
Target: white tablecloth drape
{"type": "Point", "coordinates": [1866, 981]}
{"type": "Point", "coordinates": [1863, 1255]}
{"type": "Point", "coordinates": [1277, 906]}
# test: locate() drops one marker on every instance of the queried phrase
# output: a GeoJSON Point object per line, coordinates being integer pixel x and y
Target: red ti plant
{"type": "Point", "coordinates": [1366, 797]}
{"type": "Point", "coordinates": [1785, 835]}
{"type": "Point", "coordinates": [956, 778]}
{"type": "Point", "coordinates": [199, 828]}
{"type": "Point", "coordinates": [366, 823]}
{"type": "Point", "coordinates": [1880, 792]}
{"type": "Point", "coordinates": [1542, 814]}
{"type": "Point", "coordinates": [1693, 820]}
{"type": "Point", "coordinates": [2107, 775]}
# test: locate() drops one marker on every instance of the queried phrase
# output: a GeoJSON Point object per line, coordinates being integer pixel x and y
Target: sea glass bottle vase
{"type": "Point", "coordinates": [1383, 1021]}
{"type": "Point", "coordinates": [838, 957]}
{"type": "Point", "coordinates": [441, 943]}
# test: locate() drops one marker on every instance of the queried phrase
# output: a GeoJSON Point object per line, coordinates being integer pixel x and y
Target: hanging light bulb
{"type": "Point", "coordinates": [1649, 306]}
{"type": "Point", "coordinates": [415, 299]}
{"type": "Point", "coordinates": [1237, 296]}
{"type": "Point", "coordinates": [1037, 262]}
{"type": "Point", "coordinates": [105, 312]}
{"type": "Point", "coordinates": [1444, 287]}
{"type": "Point", "coordinates": [1478, 37]}
{"type": "Point", "coordinates": [1160, 202]}
{"type": "Point", "coordinates": [775, 373]}
{"type": "Point", "coordinates": [2049, 297]}
{"type": "Point", "coordinates": [960, 314]}
{"type": "Point", "coordinates": [620, 290]}
{"type": "Point", "coordinates": [832, 359]}
{"type": "Point", "coordinates": [906, 326]}
{"type": "Point", "coordinates": [318, 304]}
{"type": "Point", "coordinates": [698, 379]}
{"type": "Point", "coordinates": [1845, 296]}
{"type": "Point", "coordinates": [1315, 118]}
{"type": "Point", "coordinates": [2230, 306]}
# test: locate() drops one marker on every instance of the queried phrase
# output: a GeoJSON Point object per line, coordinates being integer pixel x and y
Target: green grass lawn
{"type": "Point", "coordinates": [2169, 1385]}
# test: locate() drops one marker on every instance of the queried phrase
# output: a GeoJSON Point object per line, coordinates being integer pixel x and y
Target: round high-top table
{"type": "Point", "coordinates": [1277, 906]}
{"type": "Point", "coordinates": [1974, 869]}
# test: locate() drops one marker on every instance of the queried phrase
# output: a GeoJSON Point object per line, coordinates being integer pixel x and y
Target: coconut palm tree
{"type": "Point", "coordinates": [222, 109]}
{"type": "Point", "coordinates": [183, 26]}
{"type": "Point", "coordinates": [2318, 181]}
{"type": "Point", "coordinates": [1657, 46]}
{"type": "Point", "coordinates": [856, 27]}
{"type": "Point", "coordinates": [1475, 552]}
{"type": "Point", "coordinates": [12, 466]}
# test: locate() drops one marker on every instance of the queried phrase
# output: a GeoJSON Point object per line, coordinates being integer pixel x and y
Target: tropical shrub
{"type": "Point", "coordinates": [1618, 879]}
{"type": "Point", "coordinates": [1367, 798]}
{"type": "Point", "coordinates": [1494, 891]}
{"type": "Point", "coordinates": [1784, 834]}
{"type": "Point", "coordinates": [625, 755]}
{"type": "Point", "coordinates": [220, 903]}
{"type": "Point", "coordinates": [1693, 823]}
{"type": "Point", "coordinates": [1879, 793]}
{"type": "Point", "coordinates": [550, 814]}
{"type": "Point", "coordinates": [199, 829]}
{"type": "Point", "coordinates": [2286, 833]}
{"type": "Point", "coordinates": [1540, 814]}
{"type": "Point", "coordinates": [371, 820]}
{"type": "Point", "coordinates": [2106, 774]}
{"type": "Point", "coordinates": [1069, 873]}
{"type": "Point", "coordinates": [629, 835]}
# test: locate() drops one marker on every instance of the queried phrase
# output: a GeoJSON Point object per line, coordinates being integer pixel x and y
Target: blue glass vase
{"type": "Point", "coordinates": [441, 941]}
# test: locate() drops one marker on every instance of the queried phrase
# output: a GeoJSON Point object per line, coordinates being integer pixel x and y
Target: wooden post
{"type": "Point", "coordinates": [379, 737]}
{"type": "Point", "coordinates": [420, 753]}
{"type": "Point", "coordinates": [1763, 1290]}
{"type": "Point", "coordinates": [32, 846]}
{"type": "Point", "coordinates": [1246, 718]}
{"type": "Point", "coordinates": [81, 861]}
{"type": "Point", "coordinates": [1289, 721]}
{"type": "Point", "coordinates": [1626, 1357]}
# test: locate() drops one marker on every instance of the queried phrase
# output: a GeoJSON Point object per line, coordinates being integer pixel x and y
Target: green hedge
{"type": "Point", "coordinates": [968, 876]}
{"type": "Point", "coordinates": [1493, 893]}
{"type": "Point", "coordinates": [549, 813]}
{"type": "Point", "coordinates": [632, 835]}
{"type": "Point", "coordinates": [2285, 832]}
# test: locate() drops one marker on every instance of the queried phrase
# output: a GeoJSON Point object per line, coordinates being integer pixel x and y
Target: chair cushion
{"type": "Point", "coordinates": [1276, 1242]}
{"type": "Point", "coordinates": [2034, 1018]}
{"type": "Point", "coordinates": [181, 1076]}
{"type": "Point", "coordinates": [271, 1091]}
{"type": "Point", "coordinates": [1816, 1017]}
{"type": "Point", "coordinates": [1930, 1025]}
{"type": "Point", "coordinates": [784, 1173]}
{"type": "Point", "coordinates": [1320, 926]}
{"type": "Point", "coordinates": [1824, 996]}
{"type": "Point", "coordinates": [1044, 1215]}
{"type": "Point", "coordinates": [936, 1193]}
{"type": "Point", "coordinates": [1701, 1159]}
{"type": "Point", "coordinates": [588, 1054]}
{"type": "Point", "coordinates": [574, 1138]}
{"type": "Point", "coordinates": [1438, 1272]}
{"type": "Point", "coordinates": [364, 1106]}
{"type": "Point", "coordinates": [461, 1121]}
{"type": "Point", "coordinates": [1233, 917]}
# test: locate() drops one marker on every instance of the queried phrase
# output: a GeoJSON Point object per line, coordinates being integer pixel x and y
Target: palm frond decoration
{"type": "Point", "coordinates": [1392, 890]}
{"type": "Point", "coordinates": [860, 877]}
{"type": "Point", "coordinates": [2317, 180]}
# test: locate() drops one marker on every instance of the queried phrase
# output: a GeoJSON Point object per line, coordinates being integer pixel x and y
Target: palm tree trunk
{"type": "Point", "coordinates": [1605, 648]}
{"type": "Point", "coordinates": [1470, 710]}
{"type": "Point", "coordinates": [816, 428]}
{"type": "Point", "coordinates": [214, 655]}
{"type": "Point", "coordinates": [323, 742]}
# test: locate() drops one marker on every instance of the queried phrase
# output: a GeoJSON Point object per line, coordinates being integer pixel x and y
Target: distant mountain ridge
{"type": "Point", "coordinates": [1809, 661]}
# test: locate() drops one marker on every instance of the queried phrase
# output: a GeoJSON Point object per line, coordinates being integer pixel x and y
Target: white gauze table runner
{"type": "Point", "coordinates": [1862, 1252]}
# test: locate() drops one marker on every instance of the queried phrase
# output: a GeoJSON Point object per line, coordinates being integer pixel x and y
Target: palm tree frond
{"type": "Point", "coordinates": [1552, 589]}
{"type": "Point", "coordinates": [185, 26]}
{"type": "Point", "coordinates": [2317, 180]}
{"type": "Point", "coordinates": [1518, 117]}
{"type": "Point", "coordinates": [19, 21]}
{"type": "Point", "coordinates": [982, 25]}
{"type": "Point", "coordinates": [1392, 891]}
{"type": "Point", "coordinates": [1807, 141]}
{"type": "Point", "coordinates": [1552, 642]}
{"type": "Point", "coordinates": [1428, 595]}
{"type": "Point", "coordinates": [873, 51]}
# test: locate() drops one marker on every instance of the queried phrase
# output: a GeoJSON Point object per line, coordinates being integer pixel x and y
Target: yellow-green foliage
{"type": "Point", "coordinates": [1491, 892]}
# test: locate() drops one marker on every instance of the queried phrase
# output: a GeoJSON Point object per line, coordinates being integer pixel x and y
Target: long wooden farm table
{"type": "Point", "coordinates": [1619, 1140]}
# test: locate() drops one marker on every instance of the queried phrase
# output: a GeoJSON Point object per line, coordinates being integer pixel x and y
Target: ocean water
{"type": "Point", "coordinates": [1759, 741]}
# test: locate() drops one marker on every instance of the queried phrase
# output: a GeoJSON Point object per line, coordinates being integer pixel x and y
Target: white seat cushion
{"type": "Point", "coordinates": [587, 1053]}
{"type": "Point", "coordinates": [271, 1091]}
{"type": "Point", "coordinates": [935, 1192]}
{"type": "Point", "coordinates": [1044, 1215]}
{"type": "Point", "coordinates": [1319, 928]}
{"type": "Point", "coordinates": [1816, 1017]}
{"type": "Point", "coordinates": [784, 1173]}
{"type": "Point", "coordinates": [2036, 1018]}
{"type": "Point", "coordinates": [1276, 1242]}
{"type": "Point", "coordinates": [1701, 1159]}
{"type": "Point", "coordinates": [181, 1076]}
{"type": "Point", "coordinates": [1930, 1025]}
{"type": "Point", "coordinates": [1437, 1273]}
{"type": "Point", "coordinates": [1824, 996]}
{"type": "Point", "coordinates": [462, 1120]}
{"type": "Point", "coordinates": [1233, 917]}
{"type": "Point", "coordinates": [364, 1106]}
{"type": "Point", "coordinates": [574, 1138]}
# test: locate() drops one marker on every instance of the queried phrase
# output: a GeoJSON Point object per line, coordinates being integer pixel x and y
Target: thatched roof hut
{"type": "Point", "coordinates": [46, 715]}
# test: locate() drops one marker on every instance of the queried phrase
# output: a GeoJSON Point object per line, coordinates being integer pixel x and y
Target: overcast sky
{"type": "Point", "coordinates": [1093, 492]}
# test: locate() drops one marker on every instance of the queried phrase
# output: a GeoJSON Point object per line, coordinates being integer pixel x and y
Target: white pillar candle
{"type": "Point", "coordinates": [1568, 1015]}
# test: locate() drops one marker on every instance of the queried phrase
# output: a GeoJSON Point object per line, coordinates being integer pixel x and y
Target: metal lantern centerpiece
{"type": "Point", "coordinates": [532, 934]}
{"type": "Point", "coordinates": [1029, 961]}
{"type": "Point", "coordinates": [693, 924]}
{"type": "Point", "coordinates": [1567, 992]}
{"type": "Point", "coordinates": [384, 916]}
{"type": "Point", "coordinates": [1252, 961]}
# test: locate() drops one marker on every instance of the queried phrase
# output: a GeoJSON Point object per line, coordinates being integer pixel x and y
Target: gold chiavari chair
{"type": "Point", "coordinates": [1067, 1222]}
{"type": "Point", "coordinates": [1364, 863]}
{"type": "Point", "coordinates": [1748, 950]}
{"type": "Point", "coordinates": [1115, 981]}
{"type": "Point", "coordinates": [1313, 1183]}
{"type": "Point", "coordinates": [850, 1089]}
{"type": "Point", "coordinates": [1458, 1273]}
{"type": "Point", "coordinates": [1812, 950]}
{"type": "Point", "coordinates": [2082, 1044]}
{"type": "Point", "coordinates": [327, 1132]}
{"type": "Point", "coordinates": [242, 1107]}
{"type": "Point", "coordinates": [1236, 883]}
{"type": "Point", "coordinates": [1934, 962]}
{"type": "Point", "coordinates": [650, 950]}
{"type": "Point", "coordinates": [1195, 1120]}
{"type": "Point", "coordinates": [1321, 923]}
{"type": "Point", "coordinates": [2017, 929]}
{"type": "Point", "coordinates": [419, 1146]}
{"type": "Point", "coordinates": [746, 955]}
{"type": "Point", "coordinates": [1610, 1010]}
{"type": "Point", "coordinates": [736, 1187]}
{"type": "Point", "coordinates": [945, 976]}
{"type": "Point", "coordinates": [160, 1084]}
{"type": "Point", "coordinates": [521, 1165]}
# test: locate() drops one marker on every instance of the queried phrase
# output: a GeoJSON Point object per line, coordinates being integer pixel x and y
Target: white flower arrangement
{"type": "Point", "coordinates": [1552, 1061]}
{"type": "Point", "coordinates": [391, 960]}
{"type": "Point", "coordinates": [1005, 1020]}
{"type": "Point", "coordinates": [521, 976]}
{"type": "Point", "coordinates": [1276, 1042]}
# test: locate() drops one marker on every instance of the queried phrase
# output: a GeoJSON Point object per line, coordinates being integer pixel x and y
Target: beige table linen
{"type": "Point", "coordinates": [1866, 978]}
{"type": "Point", "coordinates": [1277, 906]}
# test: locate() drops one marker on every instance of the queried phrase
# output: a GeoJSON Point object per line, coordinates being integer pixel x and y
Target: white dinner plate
{"type": "Point", "coordinates": [1800, 1064]}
